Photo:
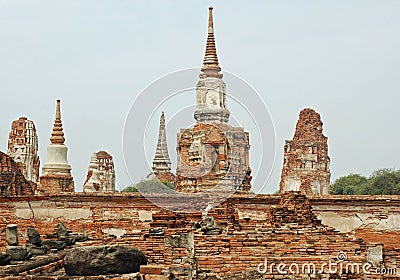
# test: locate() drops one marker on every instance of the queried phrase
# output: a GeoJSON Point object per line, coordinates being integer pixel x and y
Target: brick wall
{"type": "Point", "coordinates": [265, 227]}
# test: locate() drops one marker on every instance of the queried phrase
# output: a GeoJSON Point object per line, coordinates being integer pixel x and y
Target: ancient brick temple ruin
{"type": "Point", "coordinates": [161, 168]}
{"type": "Point", "coordinates": [291, 235]}
{"type": "Point", "coordinates": [56, 173]}
{"type": "Point", "coordinates": [306, 160]}
{"type": "Point", "coordinates": [212, 156]}
{"type": "Point", "coordinates": [23, 148]}
{"type": "Point", "coordinates": [101, 173]}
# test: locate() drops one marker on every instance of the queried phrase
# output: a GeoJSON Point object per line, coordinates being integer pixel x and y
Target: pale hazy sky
{"type": "Point", "coordinates": [341, 58]}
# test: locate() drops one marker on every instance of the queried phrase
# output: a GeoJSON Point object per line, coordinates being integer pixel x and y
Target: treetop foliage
{"type": "Point", "coordinates": [382, 181]}
{"type": "Point", "coordinates": [151, 186]}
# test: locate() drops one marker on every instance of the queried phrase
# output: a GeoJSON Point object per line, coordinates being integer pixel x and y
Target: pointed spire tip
{"type": "Point", "coordinates": [210, 20]}
{"type": "Point", "coordinates": [57, 136]}
{"type": "Point", "coordinates": [210, 63]}
{"type": "Point", "coordinates": [162, 119]}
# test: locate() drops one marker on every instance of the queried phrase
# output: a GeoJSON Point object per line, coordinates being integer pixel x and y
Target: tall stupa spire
{"type": "Point", "coordinates": [210, 66]}
{"type": "Point", "coordinates": [161, 168]}
{"type": "Point", "coordinates": [211, 89]}
{"type": "Point", "coordinates": [161, 161]}
{"type": "Point", "coordinates": [57, 136]}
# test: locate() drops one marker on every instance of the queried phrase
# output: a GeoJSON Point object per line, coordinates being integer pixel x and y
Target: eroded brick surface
{"type": "Point", "coordinates": [213, 156]}
{"type": "Point", "coordinates": [101, 173]}
{"type": "Point", "coordinates": [306, 161]}
{"type": "Point", "coordinates": [23, 148]}
{"type": "Point", "coordinates": [265, 227]}
{"type": "Point", "coordinates": [12, 181]}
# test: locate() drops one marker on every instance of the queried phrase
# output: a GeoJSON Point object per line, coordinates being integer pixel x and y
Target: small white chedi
{"type": "Point", "coordinates": [56, 172]}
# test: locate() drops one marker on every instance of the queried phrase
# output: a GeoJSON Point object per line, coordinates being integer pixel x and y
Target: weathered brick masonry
{"type": "Point", "coordinates": [101, 173]}
{"type": "Point", "coordinates": [23, 148]}
{"type": "Point", "coordinates": [12, 181]}
{"type": "Point", "coordinates": [306, 161]}
{"type": "Point", "coordinates": [243, 231]}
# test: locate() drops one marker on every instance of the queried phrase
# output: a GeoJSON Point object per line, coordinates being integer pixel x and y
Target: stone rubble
{"type": "Point", "coordinates": [180, 246]}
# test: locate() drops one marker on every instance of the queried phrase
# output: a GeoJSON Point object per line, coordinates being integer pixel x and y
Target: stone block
{"type": "Point", "coordinates": [34, 236]}
{"type": "Point", "coordinates": [103, 260]}
{"type": "Point", "coordinates": [145, 216]}
{"type": "Point", "coordinates": [36, 250]}
{"type": "Point", "coordinates": [53, 244]}
{"type": "Point", "coordinates": [68, 240]}
{"type": "Point", "coordinates": [17, 253]}
{"type": "Point", "coordinates": [117, 232]}
{"type": "Point", "coordinates": [183, 240]}
{"type": "Point", "coordinates": [62, 229]}
{"type": "Point", "coordinates": [12, 234]}
{"type": "Point", "coordinates": [4, 259]}
{"type": "Point", "coordinates": [375, 255]}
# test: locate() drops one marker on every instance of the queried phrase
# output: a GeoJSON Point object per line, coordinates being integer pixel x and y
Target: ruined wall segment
{"type": "Point", "coordinates": [12, 181]}
{"type": "Point", "coordinates": [101, 173]}
{"type": "Point", "coordinates": [229, 241]}
{"type": "Point", "coordinates": [213, 155]}
{"type": "Point", "coordinates": [306, 161]}
{"type": "Point", "coordinates": [56, 173]}
{"type": "Point", "coordinates": [23, 148]}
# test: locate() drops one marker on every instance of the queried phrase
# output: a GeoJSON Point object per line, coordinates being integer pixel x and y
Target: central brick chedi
{"type": "Point", "coordinates": [306, 160]}
{"type": "Point", "coordinates": [56, 176]}
{"type": "Point", "coordinates": [213, 155]}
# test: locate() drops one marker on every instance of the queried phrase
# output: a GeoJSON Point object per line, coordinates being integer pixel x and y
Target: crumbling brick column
{"type": "Point", "coordinates": [306, 161]}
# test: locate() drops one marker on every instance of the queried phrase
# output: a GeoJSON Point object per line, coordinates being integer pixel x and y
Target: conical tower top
{"type": "Point", "coordinates": [161, 161]}
{"type": "Point", "coordinates": [210, 63]}
{"type": "Point", "coordinates": [162, 119]}
{"type": "Point", "coordinates": [57, 136]}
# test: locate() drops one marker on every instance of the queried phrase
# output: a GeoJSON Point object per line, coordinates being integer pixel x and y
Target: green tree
{"type": "Point", "coordinates": [151, 186]}
{"type": "Point", "coordinates": [350, 184]}
{"type": "Point", "coordinates": [383, 181]}
{"type": "Point", "coordinates": [131, 188]}
{"type": "Point", "coordinates": [168, 184]}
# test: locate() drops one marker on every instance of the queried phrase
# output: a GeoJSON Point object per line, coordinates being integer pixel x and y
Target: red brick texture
{"type": "Point", "coordinates": [306, 160]}
{"type": "Point", "coordinates": [12, 181]}
{"type": "Point", "coordinates": [279, 229]}
{"type": "Point", "coordinates": [212, 155]}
